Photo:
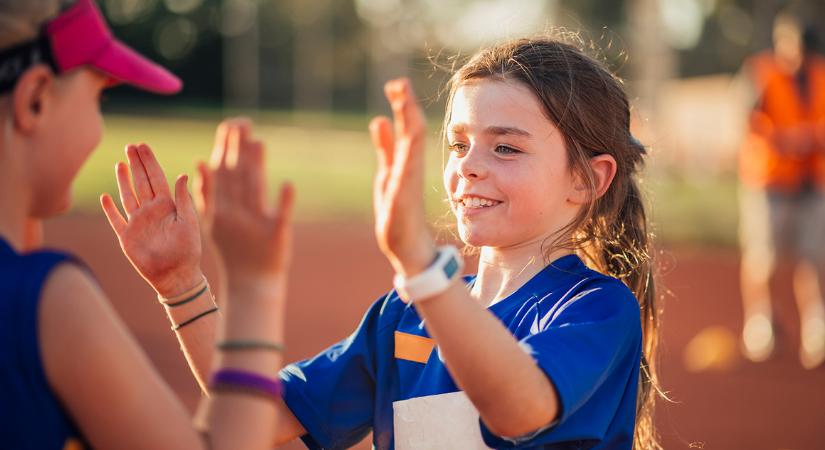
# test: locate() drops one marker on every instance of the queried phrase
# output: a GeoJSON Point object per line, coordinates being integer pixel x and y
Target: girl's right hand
{"type": "Point", "coordinates": [159, 234]}
{"type": "Point", "coordinates": [253, 238]}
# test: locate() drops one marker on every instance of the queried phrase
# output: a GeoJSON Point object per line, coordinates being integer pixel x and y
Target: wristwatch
{"type": "Point", "coordinates": [432, 281]}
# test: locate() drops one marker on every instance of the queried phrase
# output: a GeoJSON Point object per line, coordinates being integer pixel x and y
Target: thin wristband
{"type": "Point", "coordinates": [188, 299]}
{"type": "Point", "coordinates": [188, 321]}
{"type": "Point", "coordinates": [185, 294]}
{"type": "Point", "coordinates": [250, 345]}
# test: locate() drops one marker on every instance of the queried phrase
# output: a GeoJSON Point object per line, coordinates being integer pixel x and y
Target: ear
{"type": "Point", "coordinates": [29, 98]}
{"type": "Point", "coordinates": [603, 168]}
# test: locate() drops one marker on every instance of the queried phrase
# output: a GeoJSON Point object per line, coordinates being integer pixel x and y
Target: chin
{"type": "Point", "coordinates": [56, 207]}
{"type": "Point", "coordinates": [475, 237]}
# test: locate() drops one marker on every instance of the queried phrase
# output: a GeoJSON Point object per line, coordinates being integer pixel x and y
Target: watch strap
{"type": "Point", "coordinates": [433, 280]}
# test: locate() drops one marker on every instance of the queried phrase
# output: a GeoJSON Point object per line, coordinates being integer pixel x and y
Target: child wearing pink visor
{"type": "Point", "coordinates": [71, 374]}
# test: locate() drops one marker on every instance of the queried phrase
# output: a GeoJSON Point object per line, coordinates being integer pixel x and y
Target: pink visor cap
{"type": "Point", "coordinates": [80, 37]}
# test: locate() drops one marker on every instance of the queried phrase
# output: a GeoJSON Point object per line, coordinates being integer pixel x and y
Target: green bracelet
{"type": "Point", "coordinates": [250, 345]}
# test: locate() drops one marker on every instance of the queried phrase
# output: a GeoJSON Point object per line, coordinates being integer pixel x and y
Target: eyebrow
{"type": "Point", "coordinates": [493, 129]}
{"type": "Point", "coordinates": [506, 131]}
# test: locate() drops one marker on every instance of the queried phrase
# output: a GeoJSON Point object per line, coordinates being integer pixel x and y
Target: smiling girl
{"type": "Point", "coordinates": [550, 345]}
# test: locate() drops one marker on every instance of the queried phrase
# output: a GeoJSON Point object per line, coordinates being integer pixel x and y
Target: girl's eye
{"type": "Point", "coordinates": [505, 150]}
{"type": "Point", "coordinates": [458, 147]}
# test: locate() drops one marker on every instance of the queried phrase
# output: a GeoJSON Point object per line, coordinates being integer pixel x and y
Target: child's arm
{"type": "Point", "coordinates": [254, 238]}
{"type": "Point", "coordinates": [512, 394]}
{"type": "Point", "coordinates": [107, 383]}
{"type": "Point", "coordinates": [118, 399]}
{"type": "Point", "coordinates": [162, 246]}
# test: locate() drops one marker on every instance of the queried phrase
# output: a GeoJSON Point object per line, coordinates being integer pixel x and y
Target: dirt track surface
{"type": "Point", "coordinates": [773, 405]}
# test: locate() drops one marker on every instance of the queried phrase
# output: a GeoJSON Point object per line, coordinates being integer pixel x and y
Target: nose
{"type": "Point", "coordinates": [471, 165]}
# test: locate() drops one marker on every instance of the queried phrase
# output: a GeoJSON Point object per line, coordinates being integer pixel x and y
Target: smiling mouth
{"type": "Point", "coordinates": [475, 203]}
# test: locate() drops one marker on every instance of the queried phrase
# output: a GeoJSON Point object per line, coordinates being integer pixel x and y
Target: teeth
{"type": "Point", "coordinates": [475, 202]}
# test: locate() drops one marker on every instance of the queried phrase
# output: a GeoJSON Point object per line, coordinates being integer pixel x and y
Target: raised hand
{"type": "Point", "coordinates": [253, 237]}
{"type": "Point", "coordinates": [398, 192]}
{"type": "Point", "coordinates": [159, 235]}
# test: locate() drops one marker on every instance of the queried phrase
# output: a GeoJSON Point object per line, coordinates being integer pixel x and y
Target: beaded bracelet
{"type": "Point", "coordinates": [245, 382]}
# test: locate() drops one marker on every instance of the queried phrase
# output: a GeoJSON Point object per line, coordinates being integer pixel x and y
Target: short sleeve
{"type": "Point", "coordinates": [589, 347]}
{"type": "Point", "coordinates": [332, 394]}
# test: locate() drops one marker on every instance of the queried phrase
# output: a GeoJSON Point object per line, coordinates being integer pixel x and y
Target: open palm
{"type": "Point", "coordinates": [400, 225]}
{"type": "Point", "coordinates": [159, 235]}
{"type": "Point", "coordinates": [252, 236]}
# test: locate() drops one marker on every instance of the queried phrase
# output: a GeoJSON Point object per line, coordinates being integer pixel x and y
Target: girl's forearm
{"type": "Point", "coordinates": [257, 314]}
{"type": "Point", "coordinates": [513, 396]}
{"type": "Point", "coordinates": [197, 339]}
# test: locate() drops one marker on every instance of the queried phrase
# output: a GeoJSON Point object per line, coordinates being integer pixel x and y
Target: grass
{"type": "Point", "coordinates": [331, 167]}
{"type": "Point", "coordinates": [331, 163]}
{"type": "Point", "coordinates": [693, 210]}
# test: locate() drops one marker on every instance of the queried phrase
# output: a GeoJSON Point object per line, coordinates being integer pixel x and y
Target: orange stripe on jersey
{"type": "Point", "coordinates": [72, 444]}
{"type": "Point", "coordinates": [412, 347]}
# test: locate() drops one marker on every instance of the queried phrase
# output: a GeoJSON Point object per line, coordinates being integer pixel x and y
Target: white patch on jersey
{"type": "Point", "coordinates": [540, 324]}
{"type": "Point", "coordinates": [437, 422]}
{"type": "Point", "coordinates": [294, 370]}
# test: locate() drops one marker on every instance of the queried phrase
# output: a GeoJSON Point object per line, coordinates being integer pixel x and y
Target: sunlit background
{"type": "Point", "coordinates": [310, 73]}
{"type": "Point", "coordinates": [321, 64]}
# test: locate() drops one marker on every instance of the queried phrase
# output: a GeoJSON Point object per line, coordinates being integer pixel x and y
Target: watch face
{"type": "Point", "coordinates": [451, 268]}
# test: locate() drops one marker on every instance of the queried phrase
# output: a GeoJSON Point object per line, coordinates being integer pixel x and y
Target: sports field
{"type": "Point", "coordinates": [332, 161]}
{"type": "Point", "coordinates": [719, 401]}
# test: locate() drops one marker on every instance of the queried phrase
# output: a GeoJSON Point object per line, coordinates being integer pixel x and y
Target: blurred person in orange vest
{"type": "Point", "coordinates": [782, 197]}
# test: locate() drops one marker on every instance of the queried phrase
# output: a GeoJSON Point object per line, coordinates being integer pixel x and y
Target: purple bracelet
{"type": "Point", "coordinates": [242, 380]}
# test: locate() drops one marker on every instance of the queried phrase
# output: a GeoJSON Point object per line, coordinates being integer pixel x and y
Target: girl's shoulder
{"type": "Point", "coordinates": [569, 277]}
{"type": "Point", "coordinates": [573, 292]}
{"type": "Point", "coordinates": [24, 280]}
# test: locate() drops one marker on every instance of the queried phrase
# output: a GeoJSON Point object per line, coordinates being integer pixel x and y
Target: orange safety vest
{"type": "Point", "coordinates": [781, 107]}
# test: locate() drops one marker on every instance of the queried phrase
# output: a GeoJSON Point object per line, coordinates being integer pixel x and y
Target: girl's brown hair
{"type": "Point", "coordinates": [588, 105]}
{"type": "Point", "coordinates": [20, 20]}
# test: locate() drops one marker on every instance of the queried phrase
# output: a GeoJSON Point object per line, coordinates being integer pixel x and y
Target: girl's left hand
{"type": "Point", "coordinates": [159, 235]}
{"type": "Point", "coordinates": [398, 192]}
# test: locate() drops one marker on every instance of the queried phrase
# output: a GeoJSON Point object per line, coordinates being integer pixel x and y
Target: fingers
{"type": "Point", "coordinates": [239, 174]}
{"type": "Point", "coordinates": [251, 171]}
{"type": "Point", "coordinates": [229, 137]}
{"type": "Point", "coordinates": [409, 129]}
{"type": "Point", "coordinates": [116, 220]}
{"type": "Point", "coordinates": [154, 173]}
{"type": "Point", "coordinates": [124, 187]}
{"type": "Point", "coordinates": [383, 141]}
{"type": "Point", "coordinates": [407, 115]}
{"type": "Point", "coordinates": [286, 202]}
{"type": "Point", "coordinates": [219, 149]}
{"type": "Point", "coordinates": [143, 189]}
{"type": "Point", "coordinates": [183, 202]}
{"type": "Point", "coordinates": [283, 222]}
{"type": "Point", "coordinates": [203, 188]}
{"type": "Point", "coordinates": [238, 139]}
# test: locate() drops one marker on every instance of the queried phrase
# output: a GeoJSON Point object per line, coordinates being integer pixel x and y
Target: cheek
{"type": "Point", "coordinates": [450, 177]}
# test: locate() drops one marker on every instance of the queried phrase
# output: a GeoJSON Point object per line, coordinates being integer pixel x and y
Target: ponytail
{"type": "Point", "coordinates": [615, 241]}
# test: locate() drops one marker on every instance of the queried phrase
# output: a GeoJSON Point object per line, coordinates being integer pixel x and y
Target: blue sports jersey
{"type": "Point", "coordinates": [582, 328]}
{"type": "Point", "coordinates": [31, 416]}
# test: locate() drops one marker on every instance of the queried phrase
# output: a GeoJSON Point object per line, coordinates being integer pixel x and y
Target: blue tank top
{"type": "Point", "coordinates": [31, 416]}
